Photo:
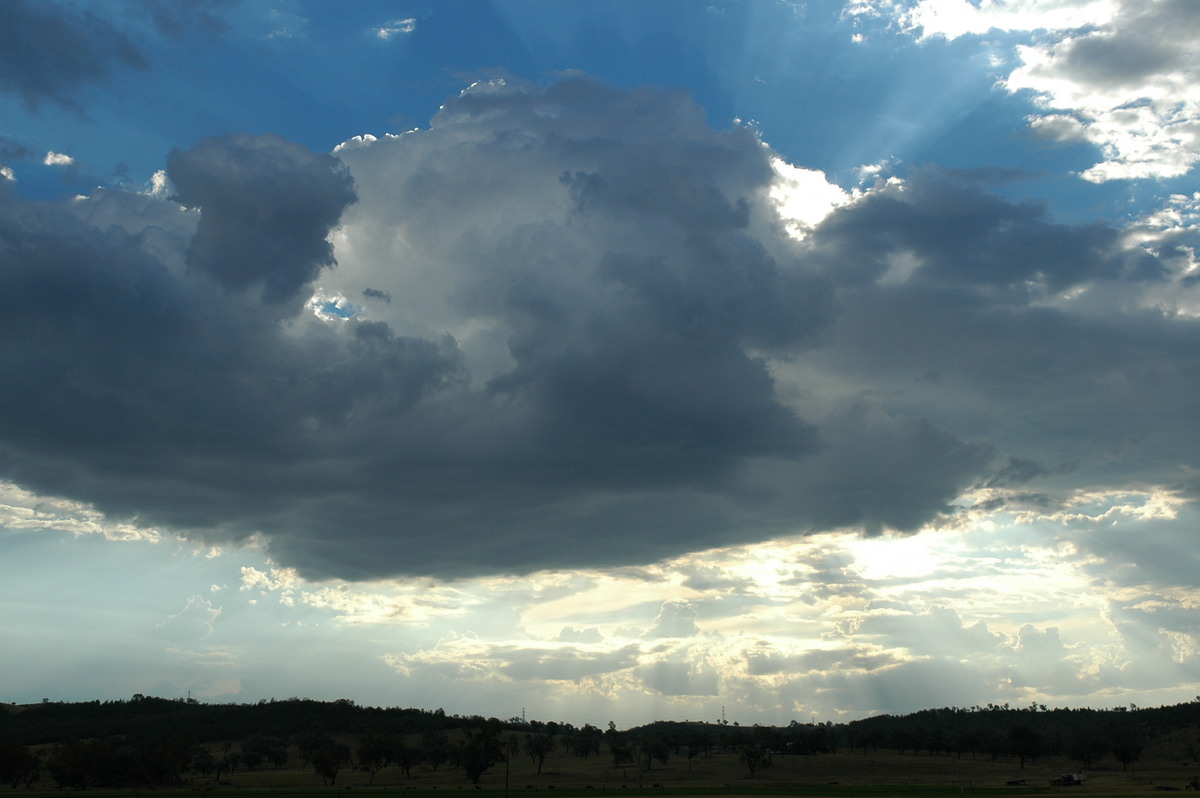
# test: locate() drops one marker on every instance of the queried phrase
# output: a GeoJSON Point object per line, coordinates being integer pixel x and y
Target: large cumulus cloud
{"type": "Point", "coordinates": [563, 326]}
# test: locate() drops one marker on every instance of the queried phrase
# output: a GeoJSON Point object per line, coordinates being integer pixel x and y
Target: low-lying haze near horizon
{"type": "Point", "coordinates": [606, 361]}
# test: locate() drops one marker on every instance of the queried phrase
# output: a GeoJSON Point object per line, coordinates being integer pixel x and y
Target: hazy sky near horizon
{"type": "Point", "coordinates": [601, 360]}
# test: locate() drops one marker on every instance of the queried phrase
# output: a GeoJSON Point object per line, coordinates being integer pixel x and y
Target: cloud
{"type": "Point", "coordinates": [938, 632]}
{"type": "Point", "coordinates": [765, 660]}
{"type": "Point", "coordinates": [57, 159]}
{"type": "Point", "coordinates": [266, 206]}
{"type": "Point", "coordinates": [13, 149]}
{"type": "Point", "coordinates": [396, 27]}
{"type": "Point", "coordinates": [903, 688]}
{"type": "Point", "coordinates": [570, 634]}
{"type": "Point", "coordinates": [954, 18]}
{"type": "Point", "coordinates": [192, 623]}
{"type": "Point", "coordinates": [467, 658]}
{"type": "Point", "coordinates": [48, 52]}
{"type": "Point", "coordinates": [675, 619]}
{"type": "Point", "coordinates": [586, 338]}
{"type": "Point", "coordinates": [174, 18]}
{"type": "Point", "coordinates": [679, 676]}
{"type": "Point", "coordinates": [20, 509]}
{"type": "Point", "coordinates": [1117, 74]}
{"type": "Point", "coordinates": [1127, 83]}
{"type": "Point", "coordinates": [1058, 330]}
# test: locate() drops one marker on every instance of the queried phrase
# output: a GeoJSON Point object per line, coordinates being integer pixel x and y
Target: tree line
{"type": "Point", "coordinates": [148, 741]}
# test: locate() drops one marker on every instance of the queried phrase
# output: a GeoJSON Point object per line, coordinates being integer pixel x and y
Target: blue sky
{"type": "Point", "coordinates": [607, 361]}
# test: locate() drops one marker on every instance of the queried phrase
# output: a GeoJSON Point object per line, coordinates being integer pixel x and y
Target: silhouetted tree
{"type": "Point", "coordinates": [752, 756]}
{"type": "Point", "coordinates": [254, 751]}
{"type": "Point", "coordinates": [586, 741]}
{"type": "Point", "coordinates": [80, 764]}
{"type": "Point", "coordinates": [436, 746]}
{"type": "Point", "coordinates": [161, 760]}
{"type": "Point", "coordinates": [618, 745]}
{"type": "Point", "coordinates": [19, 765]}
{"type": "Point", "coordinates": [311, 740]}
{"type": "Point", "coordinates": [481, 749]}
{"type": "Point", "coordinates": [539, 746]}
{"type": "Point", "coordinates": [406, 756]}
{"type": "Point", "coordinates": [203, 761]}
{"type": "Point", "coordinates": [1026, 743]}
{"type": "Point", "coordinates": [1127, 745]}
{"type": "Point", "coordinates": [1088, 746]}
{"type": "Point", "coordinates": [647, 749]}
{"type": "Point", "coordinates": [328, 761]}
{"type": "Point", "coordinates": [375, 753]}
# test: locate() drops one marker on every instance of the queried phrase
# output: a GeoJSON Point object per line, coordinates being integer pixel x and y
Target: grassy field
{"type": "Point", "coordinates": [840, 775]}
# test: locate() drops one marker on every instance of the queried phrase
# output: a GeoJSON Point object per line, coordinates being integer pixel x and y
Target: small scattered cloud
{"type": "Point", "coordinates": [570, 634]}
{"type": "Point", "coordinates": [675, 619]}
{"type": "Point", "coordinates": [285, 25]}
{"type": "Point", "coordinates": [395, 27]}
{"type": "Point", "coordinates": [375, 293]}
{"type": "Point", "coordinates": [193, 623]}
{"type": "Point", "coordinates": [57, 159]}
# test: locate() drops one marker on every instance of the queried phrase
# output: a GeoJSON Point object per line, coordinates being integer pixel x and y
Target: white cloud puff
{"type": "Point", "coordinates": [1118, 74]}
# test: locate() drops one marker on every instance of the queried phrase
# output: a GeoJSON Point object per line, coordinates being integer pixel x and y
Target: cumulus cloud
{"type": "Point", "coordinates": [582, 334]}
{"type": "Point", "coordinates": [570, 634]}
{"type": "Point", "coordinates": [679, 676]}
{"type": "Point", "coordinates": [57, 159]}
{"type": "Point", "coordinates": [1116, 74]}
{"type": "Point", "coordinates": [1128, 85]}
{"type": "Point", "coordinates": [675, 619]}
{"type": "Point", "coordinates": [192, 623]}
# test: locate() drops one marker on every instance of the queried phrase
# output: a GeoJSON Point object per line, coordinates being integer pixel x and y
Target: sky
{"type": "Point", "coordinates": [601, 361]}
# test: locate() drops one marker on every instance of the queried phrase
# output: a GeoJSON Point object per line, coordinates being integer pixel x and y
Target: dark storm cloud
{"type": "Point", "coordinates": [1048, 339]}
{"type": "Point", "coordinates": [187, 390]}
{"type": "Point", "coordinates": [592, 302]}
{"type": "Point", "coordinates": [973, 242]}
{"type": "Point", "coordinates": [151, 393]}
{"type": "Point", "coordinates": [375, 293]}
{"type": "Point", "coordinates": [47, 51]}
{"type": "Point", "coordinates": [266, 207]}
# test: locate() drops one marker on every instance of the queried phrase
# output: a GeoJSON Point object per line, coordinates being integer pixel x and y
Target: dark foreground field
{"type": "Point", "coordinates": [564, 776]}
